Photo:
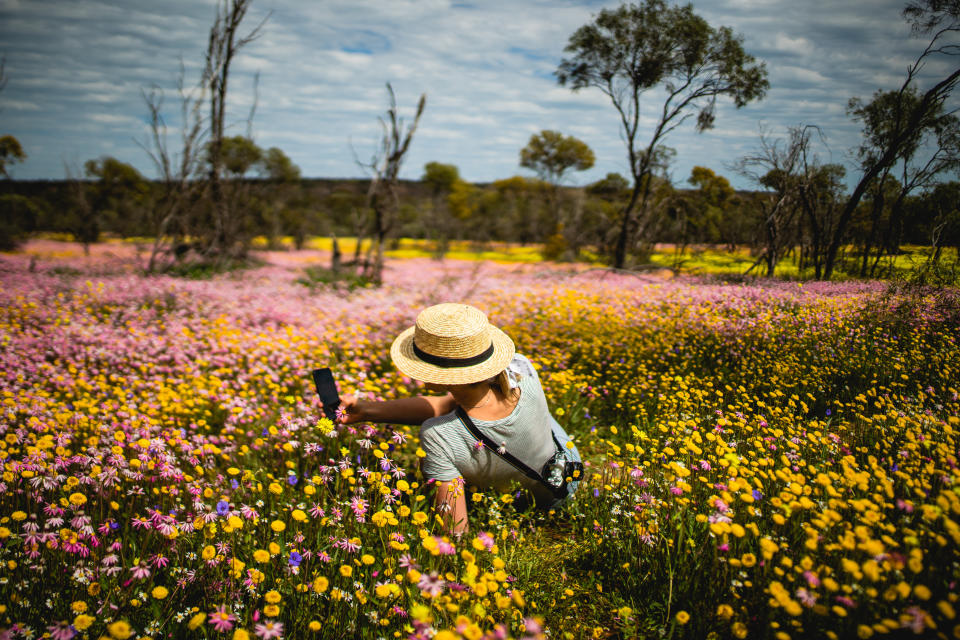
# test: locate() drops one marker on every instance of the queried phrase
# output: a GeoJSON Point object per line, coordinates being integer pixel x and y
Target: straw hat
{"type": "Point", "coordinates": [452, 344]}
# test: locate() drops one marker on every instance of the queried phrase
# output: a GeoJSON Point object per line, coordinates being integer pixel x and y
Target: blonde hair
{"type": "Point", "coordinates": [501, 383]}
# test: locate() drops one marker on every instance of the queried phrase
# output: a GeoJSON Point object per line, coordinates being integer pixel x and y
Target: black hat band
{"type": "Point", "coordinates": [451, 363]}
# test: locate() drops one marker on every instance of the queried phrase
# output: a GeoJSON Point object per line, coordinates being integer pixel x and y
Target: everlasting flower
{"type": "Point", "coordinates": [269, 630]}
{"type": "Point", "coordinates": [221, 619]}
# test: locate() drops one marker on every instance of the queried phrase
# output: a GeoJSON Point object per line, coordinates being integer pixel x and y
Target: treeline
{"type": "Point", "coordinates": [115, 199]}
{"type": "Point", "coordinates": [216, 193]}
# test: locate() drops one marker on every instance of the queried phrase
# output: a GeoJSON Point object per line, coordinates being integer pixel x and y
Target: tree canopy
{"type": "Point", "coordinates": [10, 152]}
{"type": "Point", "coordinates": [628, 51]}
{"type": "Point", "coordinates": [551, 155]}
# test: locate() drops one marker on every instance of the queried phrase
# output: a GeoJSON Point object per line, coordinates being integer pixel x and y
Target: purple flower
{"type": "Point", "coordinates": [223, 508]}
{"type": "Point", "coordinates": [292, 480]}
{"type": "Point", "coordinates": [295, 559]}
{"type": "Point", "coordinates": [757, 495]}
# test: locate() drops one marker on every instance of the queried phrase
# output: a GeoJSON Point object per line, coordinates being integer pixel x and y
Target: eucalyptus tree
{"type": "Point", "coordinates": [11, 151]}
{"type": "Point", "coordinates": [907, 114]}
{"type": "Point", "coordinates": [627, 52]}
{"type": "Point", "coordinates": [552, 155]}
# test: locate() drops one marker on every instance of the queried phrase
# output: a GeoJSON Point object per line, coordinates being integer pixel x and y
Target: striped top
{"type": "Point", "coordinates": [526, 433]}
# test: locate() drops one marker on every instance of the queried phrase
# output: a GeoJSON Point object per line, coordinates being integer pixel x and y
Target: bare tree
{"type": "Point", "coordinates": [802, 207]}
{"type": "Point", "coordinates": [176, 170]}
{"type": "Point", "coordinates": [382, 199]}
{"type": "Point", "coordinates": [223, 45]}
{"type": "Point", "coordinates": [774, 166]}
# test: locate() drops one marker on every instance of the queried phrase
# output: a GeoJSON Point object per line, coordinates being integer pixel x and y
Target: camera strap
{"type": "Point", "coordinates": [511, 459]}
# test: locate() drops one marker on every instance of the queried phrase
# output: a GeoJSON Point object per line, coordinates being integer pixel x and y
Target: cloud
{"type": "Point", "coordinates": [76, 71]}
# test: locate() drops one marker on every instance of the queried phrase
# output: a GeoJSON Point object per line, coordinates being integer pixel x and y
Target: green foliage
{"type": "Point", "coordinates": [555, 247]}
{"type": "Point", "coordinates": [10, 153]}
{"type": "Point", "coordinates": [18, 217]}
{"type": "Point", "coordinates": [238, 154]}
{"type": "Point", "coordinates": [118, 199]}
{"type": "Point", "coordinates": [551, 154]}
{"type": "Point", "coordinates": [462, 200]}
{"type": "Point", "coordinates": [346, 280]}
{"type": "Point", "coordinates": [439, 177]}
{"type": "Point", "coordinates": [205, 270]}
{"type": "Point", "coordinates": [886, 118]}
{"type": "Point", "coordinates": [278, 166]}
{"type": "Point", "coordinates": [627, 51]}
{"type": "Point", "coordinates": [613, 186]}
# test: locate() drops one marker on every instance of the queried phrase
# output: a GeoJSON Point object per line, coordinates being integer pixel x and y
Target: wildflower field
{"type": "Point", "coordinates": [764, 461]}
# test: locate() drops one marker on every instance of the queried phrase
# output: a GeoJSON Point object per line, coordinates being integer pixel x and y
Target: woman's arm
{"type": "Point", "coordinates": [413, 411]}
{"type": "Point", "coordinates": [451, 504]}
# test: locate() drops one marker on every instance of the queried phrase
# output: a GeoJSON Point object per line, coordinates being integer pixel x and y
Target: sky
{"type": "Point", "coordinates": [76, 70]}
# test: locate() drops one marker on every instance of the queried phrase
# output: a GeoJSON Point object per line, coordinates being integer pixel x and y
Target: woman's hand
{"type": "Point", "coordinates": [412, 411]}
{"type": "Point", "coordinates": [352, 409]}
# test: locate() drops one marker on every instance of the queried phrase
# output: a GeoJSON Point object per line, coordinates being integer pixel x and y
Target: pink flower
{"type": "Point", "coordinates": [141, 571]}
{"type": "Point", "coordinates": [269, 630]}
{"type": "Point", "coordinates": [432, 583]}
{"type": "Point", "coordinates": [221, 619]}
{"type": "Point", "coordinates": [61, 631]}
{"type": "Point", "coordinates": [806, 598]}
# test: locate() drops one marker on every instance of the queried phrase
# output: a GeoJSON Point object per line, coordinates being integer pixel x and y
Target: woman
{"type": "Point", "coordinates": [456, 351]}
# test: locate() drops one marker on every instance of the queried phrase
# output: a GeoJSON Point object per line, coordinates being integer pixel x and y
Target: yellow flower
{"type": "Point", "coordinates": [4, 533]}
{"type": "Point", "coordinates": [739, 630]}
{"type": "Point", "coordinates": [725, 611]}
{"type": "Point", "coordinates": [682, 617]}
{"type": "Point", "coordinates": [946, 609]}
{"type": "Point", "coordinates": [79, 606]}
{"type": "Point", "coordinates": [748, 559]}
{"type": "Point", "coordinates": [367, 559]}
{"type": "Point", "coordinates": [298, 515]}
{"type": "Point", "coordinates": [261, 555]}
{"type": "Point", "coordinates": [385, 590]}
{"type": "Point", "coordinates": [271, 611]}
{"type": "Point", "coordinates": [314, 626]}
{"type": "Point", "coordinates": [78, 499]}
{"type": "Point", "coordinates": [82, 622]}
{"type": "Point", "coordinates": [346, 571]}
{"type": "Point", "coordinates": [921, 592]}
{"type": "Point", "coordinates": [159, 593]}
{"type": "Point", "coordinates": [18, 515]}
{"type": "Point", "coordinates": [320, 584]}
{"type": "Point", "coordinates": [418, 518]}
{"type": "Point", "coordinates": [119, 630]}
{"type": "Point", "coordinates": [272, 596]}
{"type": "Point", "coordinates": [209, 552]}
{"type": "Point", "coordinates": [241, 634]}
{"type": "Point", "coordinates": [196, 620]}
{"type": "Point", "coordinates": [278, 525]}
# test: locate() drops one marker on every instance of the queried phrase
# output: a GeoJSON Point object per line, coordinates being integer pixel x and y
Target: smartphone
{"type": "Point", "coordinates": [327, 390]}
